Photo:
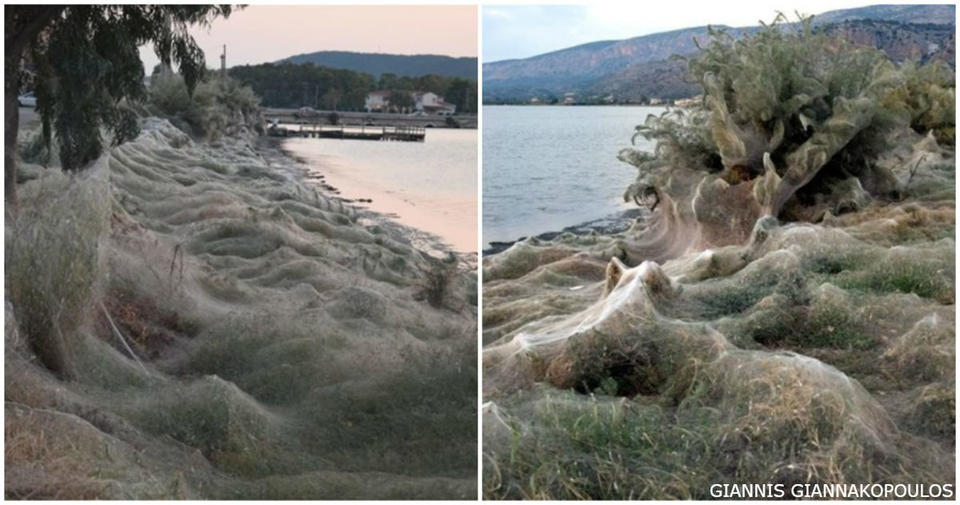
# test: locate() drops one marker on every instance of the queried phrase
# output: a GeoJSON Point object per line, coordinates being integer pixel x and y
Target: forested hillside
{"type": "Point", "coordinates": [289, 85]}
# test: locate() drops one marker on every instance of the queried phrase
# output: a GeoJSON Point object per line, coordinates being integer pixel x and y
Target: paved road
{"type": "Point", "coordinates": [28, 116]}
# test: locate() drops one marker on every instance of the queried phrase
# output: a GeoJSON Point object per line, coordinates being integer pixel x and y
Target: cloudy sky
{"type": "Point", "coordinates": [263, 33]}
{"type": "Point", "coordinates": [512, 31]}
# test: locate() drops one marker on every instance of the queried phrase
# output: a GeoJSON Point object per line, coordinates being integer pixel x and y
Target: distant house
{"type": "Point", "coordinates": [425, 102]}
{"type": "Point", "coordinates": [688, 102]}
{"type": "Point", "coordinates": [377, 101]}
{"type": "Point", "coordinates": [569, 98]}
{"type": "Point", "coordinates": [431, 103]}
{"type": "Point", "coordinates": [534, 101]}
{"type": "Point", "coordinates": [656, 101]}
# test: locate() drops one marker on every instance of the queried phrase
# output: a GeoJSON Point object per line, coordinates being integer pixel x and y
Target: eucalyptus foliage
{"type": "Point", "coordinates": [86, 63]}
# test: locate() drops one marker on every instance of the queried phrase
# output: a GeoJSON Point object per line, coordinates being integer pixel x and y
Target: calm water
{"type": "Point", "coordinates": [431, 186]}
{"type": "Point", "coordinates": [546, 168]}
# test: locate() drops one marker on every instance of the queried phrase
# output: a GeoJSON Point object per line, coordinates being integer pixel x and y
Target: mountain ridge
{"type": "Point", "coordinates": [637, 67]}
{"type": "Point", "coordinates": [409, 65]}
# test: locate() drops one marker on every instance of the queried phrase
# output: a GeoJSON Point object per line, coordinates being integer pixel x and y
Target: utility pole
{"type": "Point", "coordinates": [223, 63]}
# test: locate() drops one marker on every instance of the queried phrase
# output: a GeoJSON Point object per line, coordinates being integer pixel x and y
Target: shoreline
{"type": "Point", "coordinates": [609, 225]}
{"type": "Point", "coordinates": [422, 240]}
{"type": "Point", "coordinates": [246, 311]}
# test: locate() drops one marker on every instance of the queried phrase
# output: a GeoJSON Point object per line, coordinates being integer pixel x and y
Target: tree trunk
{"type": "Point", "coordinates": [11, 125]}
{"type": "Point", "coordinates": [22, 24]}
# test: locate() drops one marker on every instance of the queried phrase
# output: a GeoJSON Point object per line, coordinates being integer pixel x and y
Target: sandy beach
{"type": "Point", "coordinates": [429, 186]}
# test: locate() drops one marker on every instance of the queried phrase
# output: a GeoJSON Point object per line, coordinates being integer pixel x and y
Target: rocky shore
{"type": "Point", "coordinates": [819, 349]}
{"type": "Point", "coordinates": [609, 225]}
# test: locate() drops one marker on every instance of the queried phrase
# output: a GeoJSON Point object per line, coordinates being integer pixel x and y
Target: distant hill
{"type": "Point", "coordinates": [580, 67]}
{"type": "Point", "coordinates": [399, 64]}
{"type": "Point", "coordinates": [641, 66]}
{"type": "Point", "coordinates": [934, 14]}
{"type": "Point", "coordinates": [901, 41]}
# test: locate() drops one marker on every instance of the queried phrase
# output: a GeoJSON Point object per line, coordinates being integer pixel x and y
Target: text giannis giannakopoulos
{"type": "Point", "coordinates": [800, 491]}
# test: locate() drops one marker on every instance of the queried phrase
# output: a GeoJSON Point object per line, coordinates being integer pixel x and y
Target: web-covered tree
{"type": "Point", "coordinates": [783, 109]}
{"type": "Point", "coordinates": [87, 62]}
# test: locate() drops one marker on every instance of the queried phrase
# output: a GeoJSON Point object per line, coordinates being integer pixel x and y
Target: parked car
{"type": "Point", "coordinates": [27, 100]}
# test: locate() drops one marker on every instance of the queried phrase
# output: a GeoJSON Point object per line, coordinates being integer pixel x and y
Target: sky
{"type": "Point", "coordinates": [521, 31]}
{"type": "Point", "coordinates": [265, 33]}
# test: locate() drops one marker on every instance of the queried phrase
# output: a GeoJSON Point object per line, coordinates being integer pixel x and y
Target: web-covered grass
{"type": "Point", "coordinates": [186, 319]}
{"type": "Point", "coordinates": [786, 315]}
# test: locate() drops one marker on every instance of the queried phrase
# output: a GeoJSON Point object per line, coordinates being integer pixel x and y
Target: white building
{"type": "Point", "coordinates": [377, 101]}
{"type": "Point", "coordinates": [425, 102]}
{"type": "Point", "coordinates": [431, 103]}
{"type": "Point", "coordinates": [688, 102]}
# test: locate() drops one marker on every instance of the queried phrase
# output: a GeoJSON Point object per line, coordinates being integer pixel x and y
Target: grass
{"type": "Point", "coordinates": [438, 280]}
{"type": "Point", "coordinates": [601, 447]}
{"type": "Point", "coordinates": [616, 366]}
{"type": "Point", "coordinates": [645, 411]}
{"type": "Point", "coordinates": [924, 280]}
{"type": "Point", "coordinates": [799, 368]}
{"type": "Point", "coordinates": [833, 324]}
{"type": "Point", "coordinates": [279, 359]}
{"type": "Point", "coordinates": [932, 413]}
{"type": "Point", "coordinates": [53, 260]}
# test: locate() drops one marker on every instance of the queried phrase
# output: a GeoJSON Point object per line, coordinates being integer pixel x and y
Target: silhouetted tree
{"type": "Point", "coordinates": [87, 62]}
{"type": "Point", "coordinates": [400, 100]}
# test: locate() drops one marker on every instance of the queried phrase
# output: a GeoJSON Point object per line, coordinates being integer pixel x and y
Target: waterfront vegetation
{"type": "Point", "coordinates": [186, 317]}
{"type": "Point", "coordinates": [288, 85]}
{"type": "Point", "coordinates": [786, 313]}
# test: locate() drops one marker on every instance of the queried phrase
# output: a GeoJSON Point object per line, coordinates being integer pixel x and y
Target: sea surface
{"type": "Point", "coordinates": [430, 185]}
{"type": "Point", "coordinates": [549, 167]}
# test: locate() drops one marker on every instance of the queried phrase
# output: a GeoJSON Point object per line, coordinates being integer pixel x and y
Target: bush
{"type": "Point", "coordinates": [34, 149]}
{"type": "Point", "coordinates": [787, 109]}
{"type": "Point", "coordinates": [53, 259]}
{"type": "Point", "coordinates": [927, 98]}
{"type": "Point", "coordinates": [217, 107]}
{"type": "Point", "coordinates": [438, 280]}
{"type": "Point", "coordinates": [168, 93]}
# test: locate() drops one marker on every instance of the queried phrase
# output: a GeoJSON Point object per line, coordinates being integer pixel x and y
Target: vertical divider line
{"type": "Point", "coordinates": [479, 100]}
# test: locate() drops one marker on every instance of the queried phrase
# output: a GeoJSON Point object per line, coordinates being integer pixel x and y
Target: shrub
{"type": "Point", "coordinates": [785, 109]}
{"type": "Point", "coordinates": [53, 259]}
{"type": "Point", "coordinates": [168, 93]}
{"type": "Point", "coordinates": [927, 98]}
{"type": "Point", "coordinates": [438, 280]}
{"type": "Point", "coordinates": [217, 107]}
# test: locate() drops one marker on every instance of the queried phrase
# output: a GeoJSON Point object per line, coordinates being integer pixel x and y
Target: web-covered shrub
{"type": "Point", "coordinates": [785, 103]}
{"type": "Point", "coordinates": [218, 106]}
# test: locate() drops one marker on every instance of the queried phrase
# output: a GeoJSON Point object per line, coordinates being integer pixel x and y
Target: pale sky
{"type": "Point", "coordinates": [521, 31]}
{"type": "Point", "coordinates": [265, 33]}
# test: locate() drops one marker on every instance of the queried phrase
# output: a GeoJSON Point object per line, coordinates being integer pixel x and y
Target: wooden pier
{"type": "Point", "coordinates": [387, 133]}
{"type": "Point", "coordinates": [294, 117]}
